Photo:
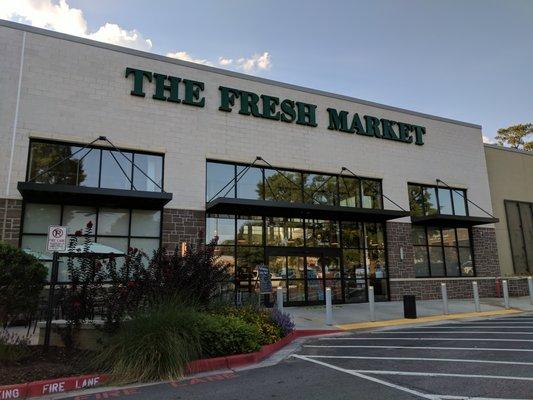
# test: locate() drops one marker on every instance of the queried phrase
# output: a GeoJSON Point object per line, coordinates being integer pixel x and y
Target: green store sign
{"type": "Point", "coordinates": [189, 92]}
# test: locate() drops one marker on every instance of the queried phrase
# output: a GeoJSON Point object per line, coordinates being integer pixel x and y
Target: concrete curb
{"type": "Point", "coordinates": [63, 385]}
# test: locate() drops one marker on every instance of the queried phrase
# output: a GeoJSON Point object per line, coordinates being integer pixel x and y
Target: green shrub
{"type": "Point", "coordinates": [22, 278]}
{"type": "Point", "coordinates": [154, 345]}
{"type": "Point", "coordinates": [222, 335]}
{"type": "Point", "coordinates": [261, 318]}
{"type": "Point", "coordinates": [12, 347]}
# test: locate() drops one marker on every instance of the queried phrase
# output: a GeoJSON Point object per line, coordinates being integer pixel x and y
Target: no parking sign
{"type": "Point", "coordinates": [57, 238]}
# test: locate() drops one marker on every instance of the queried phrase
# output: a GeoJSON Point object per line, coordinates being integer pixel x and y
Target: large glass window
{"type": "Point", "coordinates": [440, 252]}
{"type": "Point", "coordinates": [94, 167]}
{"type": "Point", "coordinates": [431, 200]}
{"type": "Point", "coordinates": [230, 180]}
{"type": "Point", "coordinates": [115, 227]}
{"type": "Point", "coordinates": [284, 231]}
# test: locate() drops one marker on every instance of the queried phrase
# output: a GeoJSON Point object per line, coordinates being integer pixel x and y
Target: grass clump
{"type": "Point", "coordinates": [13, 348]}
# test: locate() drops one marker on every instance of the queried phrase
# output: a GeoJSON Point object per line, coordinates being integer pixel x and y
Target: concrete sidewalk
{"type": "Point", "coordinates": [313, 317]}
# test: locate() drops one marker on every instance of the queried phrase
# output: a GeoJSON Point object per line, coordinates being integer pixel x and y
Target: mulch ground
{"type": "Point", "coordinates": [57, 363]}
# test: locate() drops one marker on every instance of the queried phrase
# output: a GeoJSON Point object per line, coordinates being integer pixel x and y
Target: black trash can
{"type": "Point", "coordinates": [409, 306]}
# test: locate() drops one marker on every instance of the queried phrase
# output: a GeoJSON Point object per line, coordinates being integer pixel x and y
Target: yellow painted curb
{"type": "Point", "coordinates": [405, 321]}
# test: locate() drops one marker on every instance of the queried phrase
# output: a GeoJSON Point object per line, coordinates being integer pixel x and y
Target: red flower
{"type": "Point", "coordinates": [131, 284]}
{"type": "Point", "coordinates": [89, 225]}
{"type": "Point", "coordinates": [78, 233]}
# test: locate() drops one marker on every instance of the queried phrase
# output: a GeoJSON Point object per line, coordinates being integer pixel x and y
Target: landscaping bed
{"type": "Point", "coordinates": [36, 365]}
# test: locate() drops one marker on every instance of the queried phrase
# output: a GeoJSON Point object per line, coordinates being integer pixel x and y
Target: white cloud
{"type": "Point", "coordinates": [487, 139]}
{"type": "Point", "coordinates": [61, 17]}
{"type": "Point", "coordinates": [183, 55]}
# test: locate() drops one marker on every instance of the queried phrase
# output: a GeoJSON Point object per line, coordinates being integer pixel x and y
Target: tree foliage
{"type": "Point", "coordinates": [515, 136]}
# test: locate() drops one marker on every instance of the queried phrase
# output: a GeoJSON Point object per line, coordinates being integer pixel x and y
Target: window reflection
{"type": "Point", "coordinates": [284, 186]}
{"type": "Point", "coordinates": [320, 189]}
{"type": "Point", "coordinates": [349, 192]}
{"type": "Point", "coordinates": [118, 170]}
{"type": "Point", "coordinates": [429, 200]}
{"type": "Point", "coordinates": [459, 201]}
{"type": "Point", "coordinates": [250, 184]}
{"type": "Point", "coordinates": [150, 179]}
{"type": "Point", "coordinates": [371, 192]}
{"type": "Point", "coordinates": [321, 233]}
{"type": "Point", "coordinates": [250, 231]}
{"type": "Point", "coordinates": [220, 180]}
{"type": "Point", "coordinates": [285, 231]}
{"type": "Point", "coordinates": [445, 201]}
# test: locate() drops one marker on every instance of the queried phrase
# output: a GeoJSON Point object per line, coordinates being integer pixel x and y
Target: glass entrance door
{"type": "Point", "coordinates": [304, 277]}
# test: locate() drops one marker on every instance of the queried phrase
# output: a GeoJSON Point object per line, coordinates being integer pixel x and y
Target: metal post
{"type": "Point", "coordinates": [476, 296]}
{"type": "Point", "coordinates": [279, 298]}
{"type": "Point", "coordinates": [505, 294]}
{"type": "Point", "coordinates": [51, 300]}
{"type": "Point", "coordinates": [444, 298]}
{"type": "Point", "coordinates": [329, 311]}
{"type": "Point", "coordinates": [530, 286]}
{"type": "Point", "coordinates": [371, 303]}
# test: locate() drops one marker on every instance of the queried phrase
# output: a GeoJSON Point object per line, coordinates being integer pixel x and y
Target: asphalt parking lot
{"type": "Point", "coordinates": [484, 359]}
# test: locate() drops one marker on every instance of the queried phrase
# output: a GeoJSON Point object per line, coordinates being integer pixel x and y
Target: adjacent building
{"type": "Point", "coordinates": [325, 189]}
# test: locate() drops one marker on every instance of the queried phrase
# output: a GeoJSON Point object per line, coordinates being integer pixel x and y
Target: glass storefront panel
{"type": "Point", "coordinates": [321, 233]}
{"type": "Point", "coordinates": [295, 267]}
{"type": "Point", "coordinates": [421, 261]}
{"type": "Point", "coordinates": [465, 258]}
{"type": "Point", "coordinates": [374, 235]}
{"type": "Point", "coordinates": [459, 202]}
{"type": "Point", "coordinates": [354, 291]}
{"type": "Point", "coordinates": [445, 201]}
{"type": "Point", "coordinates": [250, 184]}
{"type": "Point", "coordinates": [354, 264]}
{"type": "Point", "coordinates": [38, 217]}
{"type": "Point", "coordinates": [336, 289]}
{"type": "Point", "coordinates": [352, 234]}
{"type": "Point", "coordinates": [277, 266]}
{"type": "Point", "coordinates": [145, 223]}
{"type": "Point", "coordinates": [418, 235]}
{"type": "Point", "coordinates": [149, 246]}
{"type": "Point", "coordinates": [285, 186]}
{"type": "Point", "coordinates": [371, 194]}
{"type": "Point", "coordinates": [320, 189]}
{"type": "Point", "coordinates": [296, 290]}
{"type": "Point", "coordinates": [448, 237]}
{"type": "Point", "coordinates": [220, 178]}
{"type": "Point", "coordinates": [113, 221]}
{"type": "Point", "coordinates": [463, 236]}
{"type": "Point", "coordinates": [221, 226]}
{"type": "Point", "coordinates": [436, 259]}
{"type": "Point", "coordinates": [332, 268]}
{"type": "Point", "coordinates": [349, 192]}
{"type": "Point", "coordinates": [287, 232]}
{"type": "Point", "coordinates": [118, 170]}
{"type": "Point", "coordinates": [430, 199]}
{"type": "Point", "coordinates": [434, 236]}
{"type": "Point", "coordinates": [225, 255]}
{"type": "Point", "coordinates": [250, 231]}
{"type": "Point", "coordinates": [151, 179]}
{"type": "Point", "coordinates": [416, 200]}
{"type": "Point", "coordinates": [452, 261]}
{"type": "Point", "coordinates": [315, 290]}
{"type": "Point", "coordinates": [77, 217]}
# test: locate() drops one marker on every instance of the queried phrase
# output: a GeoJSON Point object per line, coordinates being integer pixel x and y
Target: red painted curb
{"type": "Point", "coordinates": [61, 385]}
{"type": "Point", "coordinates": [239, 360]}
{"type": "Point", "coordinates": [50, 386]}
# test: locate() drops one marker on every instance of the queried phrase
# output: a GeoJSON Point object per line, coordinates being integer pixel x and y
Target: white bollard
{"type": "Point", "coordinates": [530, 286]}
{"type": "Point", "coordinates": [371, 303]}
{"type": "Point", "coordinates": [505, 294]}
{"type": "Point", "coordinates": [476, 296]}
{"type": "Point", "coordinates": [279, 298]}
{"type": "Point", "coordinates": [329, 310]}
{"type": "Point", "coordinates": [444, 298]}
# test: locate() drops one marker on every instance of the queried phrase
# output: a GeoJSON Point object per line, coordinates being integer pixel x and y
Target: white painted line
{"type": "Point", "coordinates": [459, 327]}
{"type": "Point", "coordinates": [494, 322]}
{"type": "Point", "coordinates": [424, 359]}
{"type": "Point", "coordinates": [425, 338]}
{"type": "Point", "coordinates": [446, 397]}
{"type": "Point", "coordinates": [369, 378]}
{"type": "Point", "coordinates": [395, 332]}
{"type": "Point", "coordinates": [418, 348]}
{"type": "Point", "coordinates": [439, 374]}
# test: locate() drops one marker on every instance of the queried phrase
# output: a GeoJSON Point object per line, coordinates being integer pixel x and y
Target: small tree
{"type": "Point", "coordinates": [22, 278]}
{"type": "Point", "coordinates": [514, 136]}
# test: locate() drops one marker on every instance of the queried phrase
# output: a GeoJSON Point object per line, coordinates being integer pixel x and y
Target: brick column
{"type": "Point", "coordinates": [10, 217]}
{"type": "Point", "coordinates": [182, 226]}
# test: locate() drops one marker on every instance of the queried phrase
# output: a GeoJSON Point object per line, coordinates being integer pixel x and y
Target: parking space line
{"type": "Point", "coordinates": [459, 327]}
{"type": "Point", "coordinates": [445, 332]}
{"type": "Point", "coordinates": [440, 374]}
{"type": "Point", "coordinates": [425, 338]}
{"type": "Point", "coordinates": [423, 359]}
{"type": "Point", "coordinates": [416, 348]}
{"type": "Point", "coordinates": [446, 397]}
{"type": "Point", "coordinates": [369, 378]}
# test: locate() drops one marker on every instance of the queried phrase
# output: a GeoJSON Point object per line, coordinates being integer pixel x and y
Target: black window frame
{"type": "Point", "coordinates": [100, 149]}
{"type": "Point", "coordinates": [423, 186]}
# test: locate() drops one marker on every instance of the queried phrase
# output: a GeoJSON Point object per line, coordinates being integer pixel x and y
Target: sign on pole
{"type": "Point", "coordinates": [57, 238]}
{"type": "Point", "coordinates": [265, 284]}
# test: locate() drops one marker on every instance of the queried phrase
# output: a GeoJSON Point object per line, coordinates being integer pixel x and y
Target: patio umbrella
{"type": "Point", "coordinates": [38, 255]}
{"type": "Point", "coordinates": [95, 250]}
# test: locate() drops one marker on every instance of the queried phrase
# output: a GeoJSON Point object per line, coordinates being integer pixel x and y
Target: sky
{"type": "Point", "coordinates": [466, 60]}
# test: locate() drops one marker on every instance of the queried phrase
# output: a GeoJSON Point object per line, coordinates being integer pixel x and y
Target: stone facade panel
{"type": "Point", "coordinates": [182, 226]}
{"type": "Point", "coordinates": [10, 219]}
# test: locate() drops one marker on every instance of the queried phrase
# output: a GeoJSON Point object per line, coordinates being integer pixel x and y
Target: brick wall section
{"type": "Point", "coordinates": [182, 226]}
{"type": "Point", "coordinates": [518, 287]}
{"type": "Point", "coordinates": [399, 235]}
{"type": "Point", "coordinates": [12, 217]}
{"type": "Point", "coordinates": [486, 262]}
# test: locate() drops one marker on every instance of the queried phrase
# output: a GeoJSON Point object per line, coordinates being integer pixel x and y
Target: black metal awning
{"type": "Point", "coordinates": [83, 196]}
{"type": "Point", "coordinates": [453, 221]}
{"type": "Point", "coordinates": [225, 205]}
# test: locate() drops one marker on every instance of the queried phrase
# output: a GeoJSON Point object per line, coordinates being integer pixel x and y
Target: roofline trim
{"type": "Point", "coordinates": [220, 71]}
{"type": "Point", "coordinates": [498, 147]}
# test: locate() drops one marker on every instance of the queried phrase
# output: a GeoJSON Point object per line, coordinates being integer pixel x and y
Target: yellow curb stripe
{"type": "Point", "coordinates": [405, 321]}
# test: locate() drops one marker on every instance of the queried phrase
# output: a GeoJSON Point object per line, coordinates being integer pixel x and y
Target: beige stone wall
{"type": "Point", "coordinates": [511, 178]}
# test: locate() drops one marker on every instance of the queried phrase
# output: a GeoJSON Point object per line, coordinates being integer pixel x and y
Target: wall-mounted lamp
{"type": "Point", "coordinates": [183, 248]}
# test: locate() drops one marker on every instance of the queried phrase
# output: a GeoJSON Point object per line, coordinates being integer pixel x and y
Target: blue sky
{"type": "Point", "coordinates": [467, 60]}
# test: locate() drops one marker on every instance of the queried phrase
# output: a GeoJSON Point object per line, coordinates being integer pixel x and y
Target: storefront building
{"type": "Point", "coordinates": [327, 190]}
{"type": "Point", "coordinates": [511, 184]}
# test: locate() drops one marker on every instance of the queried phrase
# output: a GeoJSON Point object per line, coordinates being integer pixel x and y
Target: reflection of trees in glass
{"type": "Point", "coordinates": [422, 200]}
{"type": "Point", "coordinates": [285, 232]}
{"type": "Point", "coordinates": [352, 233]}
{"type": "Point", "coordinates": [250, 232]}
{"type": "Point", "coordinates": [279, 188]}
{"type": "Point", "coordinates": [374, 234]}
{"type": "Point", "coordinates": [371, 194]}
{"type": "Point", "coordinates": [320, 189]}
{"type": "Point", "coordinates": [248, 258]}
{"type": "Point", "coordinates": [349, 192]}
{"type": "Point", "coordinates": [44, 155]}
{"type": "Point", "coordinates": [322, 233]}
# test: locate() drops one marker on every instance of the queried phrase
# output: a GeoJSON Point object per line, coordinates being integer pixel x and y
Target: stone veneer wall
{"type": "Point", "coordinates": [182, 226]}
{"type": "Point", "coordinates": [402, 275]}
{"type": "Point", "coordinates": [10, 217]}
